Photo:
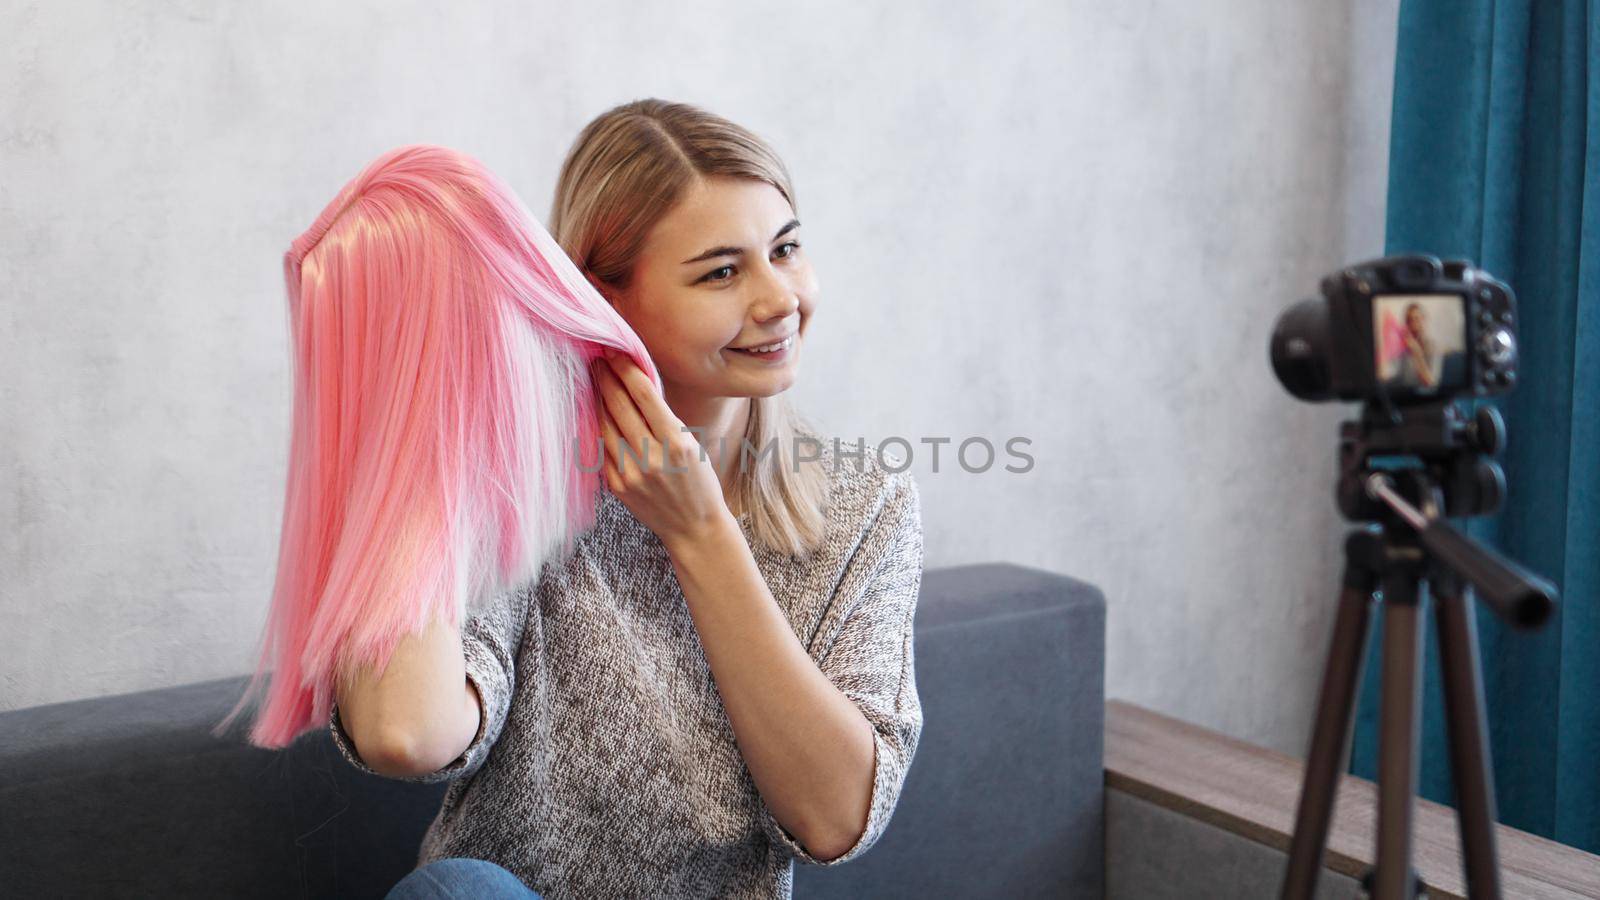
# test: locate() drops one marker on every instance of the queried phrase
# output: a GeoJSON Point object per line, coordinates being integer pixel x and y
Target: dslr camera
{"type": "Point", "coordinates": [1400, 330]}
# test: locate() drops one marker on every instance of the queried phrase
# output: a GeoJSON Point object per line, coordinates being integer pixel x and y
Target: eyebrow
{"type": "Point", "coordinates": [735, 251]}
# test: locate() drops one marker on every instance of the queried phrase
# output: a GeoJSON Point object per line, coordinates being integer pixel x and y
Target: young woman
{"type": "Point", "coordinates": [719, 679]}
{"type": "Point", "coordinates": [1417, 366]}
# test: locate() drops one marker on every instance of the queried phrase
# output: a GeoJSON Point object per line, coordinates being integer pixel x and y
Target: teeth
{"type": "Point", "coordinates": [770, 347]}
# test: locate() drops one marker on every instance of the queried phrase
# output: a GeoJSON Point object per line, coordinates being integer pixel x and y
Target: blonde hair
{"type": "Point", "coordinates": [624, 172]}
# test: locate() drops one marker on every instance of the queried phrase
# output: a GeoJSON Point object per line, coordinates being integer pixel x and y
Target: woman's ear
{"type": "Point", "coordinates": [605, 291]}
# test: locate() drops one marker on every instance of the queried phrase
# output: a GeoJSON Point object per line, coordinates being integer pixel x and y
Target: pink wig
{"type": "Point", "coordinates": [1392, 341]}
{"type": "Point", "coordinates": [441, 341]}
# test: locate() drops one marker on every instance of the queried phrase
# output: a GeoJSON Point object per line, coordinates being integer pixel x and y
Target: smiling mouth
{"type": "Point", "coordinates": [767, 349]}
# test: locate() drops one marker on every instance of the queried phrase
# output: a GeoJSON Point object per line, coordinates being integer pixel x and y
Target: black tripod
{"type": "Point", "coordinates": [1449, 474]}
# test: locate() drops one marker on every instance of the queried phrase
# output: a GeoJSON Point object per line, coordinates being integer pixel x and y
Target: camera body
{"type": "Point", "coordinates": [1400, 330]}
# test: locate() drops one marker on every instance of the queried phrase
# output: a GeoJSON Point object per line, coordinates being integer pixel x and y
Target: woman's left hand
{"type": "Point", "coordinates": [676, 492]}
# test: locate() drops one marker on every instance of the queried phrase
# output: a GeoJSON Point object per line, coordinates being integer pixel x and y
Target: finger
{"type": "Point", "coordinates": [613, 478]}
{"type": "Point", "coordinates": [627, 453]}
{"type": "Point", "coordinates": [612, 441]}
{"type": "Point", "coordinates": [602, 432]}
{"type": "Point", "coordinates": [625, 417]}
{"type": "Point", "coordinates": [646, 398]}
{"type": "Point", "coordinates": [608, 474]}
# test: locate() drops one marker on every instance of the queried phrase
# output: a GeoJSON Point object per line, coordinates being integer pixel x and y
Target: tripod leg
{"type": "Point", "coordinates": [1469, 741]}
{"type": "Point", "coordinates": [1397, 737]}
{"type": "Point", "coordinates": [1330, 735]}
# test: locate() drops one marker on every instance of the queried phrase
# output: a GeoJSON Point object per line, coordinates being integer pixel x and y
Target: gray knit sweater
{"type": "Point", "coordinates": [606, 766]}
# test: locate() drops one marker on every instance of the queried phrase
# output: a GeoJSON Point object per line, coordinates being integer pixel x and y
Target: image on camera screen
{"type": "Point", "coordinates": [1421, 341]}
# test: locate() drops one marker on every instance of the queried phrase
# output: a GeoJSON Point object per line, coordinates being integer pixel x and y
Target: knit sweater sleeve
{"type": "Point", "coordinates": [489, 641]}
{"type": "Point", "coordinates": [870, 660]}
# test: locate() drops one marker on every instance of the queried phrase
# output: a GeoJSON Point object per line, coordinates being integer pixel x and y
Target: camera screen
{"type": "Point", "coordinates": [1421, 341]}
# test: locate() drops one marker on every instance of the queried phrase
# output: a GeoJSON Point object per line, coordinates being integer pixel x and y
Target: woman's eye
{"type": "Point", "coordinates": [713, 275]}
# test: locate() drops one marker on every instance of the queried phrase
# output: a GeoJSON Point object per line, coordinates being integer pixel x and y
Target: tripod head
{"type": "Point", "coordinates": [1410, 468]}
{"type": "Point", "coordinates": [1453, 452]}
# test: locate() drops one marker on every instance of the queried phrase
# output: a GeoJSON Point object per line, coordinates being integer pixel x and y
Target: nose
{"type": "Point", "coordinates": [775, 299]}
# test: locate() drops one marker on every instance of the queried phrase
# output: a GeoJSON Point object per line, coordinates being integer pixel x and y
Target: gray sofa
{"type": "Point", "coordinates": [131, 796]}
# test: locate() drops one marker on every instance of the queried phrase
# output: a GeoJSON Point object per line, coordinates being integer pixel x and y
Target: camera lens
{"type": "Point", "coordinates": [1299, 350]}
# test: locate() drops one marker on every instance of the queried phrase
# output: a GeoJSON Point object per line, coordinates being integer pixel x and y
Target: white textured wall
{"type": "Point", "coordinates": [1068, 221]}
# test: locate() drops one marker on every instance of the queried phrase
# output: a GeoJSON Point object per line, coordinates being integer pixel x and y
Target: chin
{"type": "Point", "coordinates": [773, 386]}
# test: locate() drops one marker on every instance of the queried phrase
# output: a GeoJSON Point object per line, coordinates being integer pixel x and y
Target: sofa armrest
{"type": "Point", "coordinates": [1005, 795]}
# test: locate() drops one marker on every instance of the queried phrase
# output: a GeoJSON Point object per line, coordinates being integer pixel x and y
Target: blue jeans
{"type": "Point", "coordinates": [460, 878]}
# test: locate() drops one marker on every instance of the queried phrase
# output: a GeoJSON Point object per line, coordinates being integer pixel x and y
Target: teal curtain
{"type": "Point", "coordinates": [1495, 157]}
